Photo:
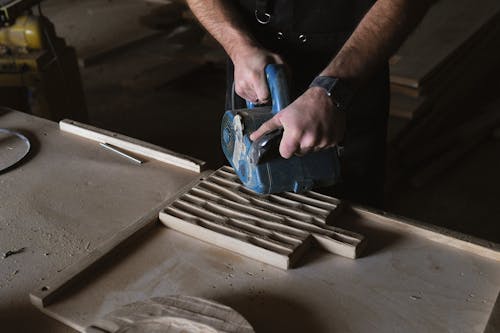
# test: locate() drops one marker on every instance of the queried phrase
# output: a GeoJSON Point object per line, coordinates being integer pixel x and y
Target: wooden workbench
{"type": "Point", "coordinates": [60, 203]}
{"type": "Point", "coordinates": [413, 277]}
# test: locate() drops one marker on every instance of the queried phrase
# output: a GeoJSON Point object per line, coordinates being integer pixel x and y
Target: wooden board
{"type": "Point", "coordinates": [173, 314]}
{"type": "Point", "coordinates": [275, 229]}
{"type": "Point", "coordinates": [448, 28]}
{"type": "Point", "coordinates": [403, 106]}
{"type": "Point", "coordinates": [59, 203]}
{"type": "Point", "coordinates": [132, 145]}
{"type": "Point", "coordinates": [410, 279]}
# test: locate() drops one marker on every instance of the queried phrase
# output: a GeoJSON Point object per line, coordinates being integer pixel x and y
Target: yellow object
{"type": "Point", "coordinates": [26, 33]}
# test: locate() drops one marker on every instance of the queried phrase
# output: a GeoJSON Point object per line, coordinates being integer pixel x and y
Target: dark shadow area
{"type": "Point", "coordinates": [29, 319]}
{"type": "Point", "coordinates": [274, 313]}
{"type": "Point", "coordinates": [376, 239]}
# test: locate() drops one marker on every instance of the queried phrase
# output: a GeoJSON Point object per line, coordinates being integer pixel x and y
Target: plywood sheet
{"type": "Point", "coordinates": [406, 282]}
{"type": "Point", "coordinates": [66, 197]}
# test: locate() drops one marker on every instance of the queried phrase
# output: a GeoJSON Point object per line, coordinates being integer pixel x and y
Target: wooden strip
{"type": "Point", "coordinates": [309, 200]}
{"type": "Point", "coordinates": [231, 195]}
{"type": "Point", "coordinates": [297, 205]}
{"type": "Point", "coordinates": [321, 197]}
{"type": "Point", "coordinates": [229, 230]}
{"type": "Point", "coordinates": [267, 212]}
{"type": "Point", "coordinates": [230, 243]}
{"type": "Point", "coordinates": [44, 295]}
{"type": "Point", "coordinates": [132, 145]}
{"type": "Point", "coordinates": [435, 233]}
{"type": "Point", "coordinates": [283, 228]}
{"type": "Point", "coordinates": [300, 205]}
{"type": "Point", "coordinates": [227, 169]}
{"type": "Point", "coordinates": [261, 201]}
{"type": "Point", "coordinates": [339, 247]}
{"type": "Point", "coordinates": [232, 213]}
{"type": "Point", "coordinates": [224, 221]}
{"type": "Point", "coordinates": [245, 208]}
{"type": "Point", "coordinates": [271, 233]}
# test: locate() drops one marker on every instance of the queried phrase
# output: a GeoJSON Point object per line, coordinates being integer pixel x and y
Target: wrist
{"type": "Point", "coordinates": [241, 46]}
{"type": "Point", "coordinates": [338, 90]}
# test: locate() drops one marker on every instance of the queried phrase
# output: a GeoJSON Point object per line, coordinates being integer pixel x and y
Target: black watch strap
{"type": "Point", "coordinates": [340, 91]}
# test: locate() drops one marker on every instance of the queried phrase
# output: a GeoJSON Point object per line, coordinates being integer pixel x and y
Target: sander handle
{"type": "Point", "coordinates": [277, 82]}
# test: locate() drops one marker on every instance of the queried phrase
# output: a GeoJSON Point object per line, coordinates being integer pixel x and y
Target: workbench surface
{"type": "Point", "coordinates": [67, 197]}
{"type": "Point", "coordinates": [71, 195]}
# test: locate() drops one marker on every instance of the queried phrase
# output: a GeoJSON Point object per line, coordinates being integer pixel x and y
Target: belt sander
{"type": "Point", "coordinates": [258, 164]}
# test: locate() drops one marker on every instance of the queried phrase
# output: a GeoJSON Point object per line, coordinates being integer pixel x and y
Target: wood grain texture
{"type": "Point", "coordinates": [53, 288]}
{"type": "Point", "coordinates": [407, 281]}
{"type": "Point", "coordinates": [449, 28]}
{"type": "Point", "coordinates": [173, 314]}
{"type": "Point", "coordinates": [435, 233]}
{"type": "Point", "coordinates": [276, 229]}
{"type": "Point", "coordinates": [132, 145]}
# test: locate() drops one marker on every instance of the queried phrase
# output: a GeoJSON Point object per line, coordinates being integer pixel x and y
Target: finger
{"type": "Point", "coordinates": [246, 92]}
{"type": "Point", "coordinates": [290, 144]}
{"type": "Point", "coordinates": [307, 145]}
{"type": "Point", "coordinates": [304, 151]}
{"type": "Point", "coordinates": [277, 59]}
{"type": "Point", "coordinates": [268, 126]}
{"type": "Point", "coordinates": [261, 89]}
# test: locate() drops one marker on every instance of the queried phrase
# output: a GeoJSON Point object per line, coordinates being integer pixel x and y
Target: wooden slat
{"type": "Point", "coordinates": [132, 145]}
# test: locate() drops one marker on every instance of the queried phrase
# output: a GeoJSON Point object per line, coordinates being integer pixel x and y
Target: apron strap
{"type": "Point", "coordinates": [262, 11]}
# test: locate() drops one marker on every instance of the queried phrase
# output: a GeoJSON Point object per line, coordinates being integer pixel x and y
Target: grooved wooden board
{"type": "Point", "coordinates": [275, 229]}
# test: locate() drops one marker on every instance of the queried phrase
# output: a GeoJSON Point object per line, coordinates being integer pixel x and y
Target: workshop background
{"type": "Point", "coordinates": [146, 69]}
{"type": "Point", "coordinates": [149, 71]}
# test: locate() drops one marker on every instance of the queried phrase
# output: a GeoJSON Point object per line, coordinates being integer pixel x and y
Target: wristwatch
{"type": "Point", "coordinates": [337, 89]}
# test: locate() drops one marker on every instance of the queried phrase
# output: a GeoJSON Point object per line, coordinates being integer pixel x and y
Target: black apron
{"type": "Point", "coordinates": [308, 34]}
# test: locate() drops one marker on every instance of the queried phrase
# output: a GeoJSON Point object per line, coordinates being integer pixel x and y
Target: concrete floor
{"type": "Point", "coordinates": [158, 91]}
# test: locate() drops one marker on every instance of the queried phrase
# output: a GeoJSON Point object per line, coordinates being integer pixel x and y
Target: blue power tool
{"type": "Point", "coordinates": [258, 164]}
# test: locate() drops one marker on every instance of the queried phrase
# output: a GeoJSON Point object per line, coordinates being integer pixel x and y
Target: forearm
{"type": "Point", "coordinates": [223, 23]}
{"type": "Point", "coordinates": [376, 38]}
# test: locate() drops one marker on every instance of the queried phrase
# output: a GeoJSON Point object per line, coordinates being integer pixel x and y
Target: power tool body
{"type": "Point", "coordinates": [258, 164]}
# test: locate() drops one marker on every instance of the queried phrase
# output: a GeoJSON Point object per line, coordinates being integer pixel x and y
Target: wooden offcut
{"type": "Point", "coordinates": [132, 145]}
{"type": "Point", "coordinates": [276, 229]}
{"type": "Point", "coordinates": [173, 314]}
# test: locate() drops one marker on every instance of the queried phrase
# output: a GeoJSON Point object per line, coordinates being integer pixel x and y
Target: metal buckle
{"type": "Point", "coordinates": [265, 18]}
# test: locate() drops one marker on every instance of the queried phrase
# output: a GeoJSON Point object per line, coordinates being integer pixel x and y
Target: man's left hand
{"type": "Point", "coordinates": [311, 123]}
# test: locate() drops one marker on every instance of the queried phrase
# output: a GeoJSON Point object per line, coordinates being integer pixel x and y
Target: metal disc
{"type": "Point", "coordinates": [13, 148]}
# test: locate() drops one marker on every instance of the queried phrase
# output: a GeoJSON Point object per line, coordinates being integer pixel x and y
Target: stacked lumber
{"type": "Point", "coordinates": [438, 79]}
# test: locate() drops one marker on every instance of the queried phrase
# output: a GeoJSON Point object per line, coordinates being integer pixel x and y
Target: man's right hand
{"type": "Point", "coordinates": [249, 76]}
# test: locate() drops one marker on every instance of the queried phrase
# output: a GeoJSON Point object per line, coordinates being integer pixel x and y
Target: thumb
{"type": "Point", "coordinates": [266, 127]}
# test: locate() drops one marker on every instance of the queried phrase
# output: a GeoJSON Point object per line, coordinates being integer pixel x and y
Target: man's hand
{"type": "Point", "coordinates": [249, 75]}
{"type": "Point", "coordinates": [311, 123]}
